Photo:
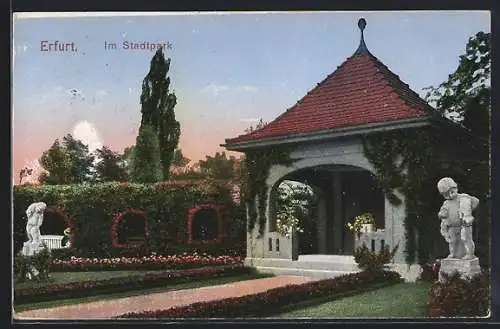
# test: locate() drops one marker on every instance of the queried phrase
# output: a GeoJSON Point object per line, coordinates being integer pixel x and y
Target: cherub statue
{"type": "Point", "coordinates": [34, 244]}
{"type": "Point", "coordinates": [456, 218]}
{"type": "Point", "coordinates": [35, 220]}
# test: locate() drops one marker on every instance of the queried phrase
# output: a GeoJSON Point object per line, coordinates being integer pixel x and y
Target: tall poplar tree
{"type": "Point", "coordinates": [158, 109]}
{"type": "Point", "coordinates": [145, 167]}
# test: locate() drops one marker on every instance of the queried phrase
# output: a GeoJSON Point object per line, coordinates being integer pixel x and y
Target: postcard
{"type": "Point", "coordinates": [251, 165]}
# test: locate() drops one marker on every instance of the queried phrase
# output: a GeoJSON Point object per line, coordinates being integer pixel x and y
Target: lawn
{"type": "Point", "coordinates": [397, 301]}
{"type": "Point", "coordinates": [138, 292]}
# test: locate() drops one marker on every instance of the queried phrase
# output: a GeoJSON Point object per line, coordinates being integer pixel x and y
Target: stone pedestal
{"type": "Point", "coordinates": [31, 249]}
{"type": "Point", "coordinates": [466, 267]}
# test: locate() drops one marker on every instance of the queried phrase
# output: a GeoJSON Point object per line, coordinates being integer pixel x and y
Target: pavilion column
{"type": "Point", "coordinates": [321, 226]}
{"type": "Point", "coordinates": [337, 213]}
{"type": "Point", "coordinates": [394, 227]}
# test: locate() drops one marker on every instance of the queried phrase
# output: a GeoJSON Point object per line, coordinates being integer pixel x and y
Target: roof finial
{"type": "Point", "coordinates": [362, 45]}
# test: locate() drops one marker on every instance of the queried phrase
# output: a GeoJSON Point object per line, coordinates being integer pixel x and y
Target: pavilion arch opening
{"type": "Point", "coordinates": [295, 200]}
{"type": "Point", "coordinates": [339, 193]}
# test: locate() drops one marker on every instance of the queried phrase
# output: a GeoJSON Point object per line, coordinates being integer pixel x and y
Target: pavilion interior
{"type": "Point", "coordinates": [342, 193]}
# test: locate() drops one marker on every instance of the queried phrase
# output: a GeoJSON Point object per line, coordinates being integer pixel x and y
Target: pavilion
{"type": "Point", "coordinates": [323, 132]}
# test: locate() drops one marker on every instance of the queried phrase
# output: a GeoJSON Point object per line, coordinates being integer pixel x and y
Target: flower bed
{"type": "Point", "coordinates": [91, 288]}
{"type": "Point", "coordinates": [460, 297]}
{"type": "Point", "coordinates": [150, 262]}
{"type": "Point", "coordinates": [268, 302]}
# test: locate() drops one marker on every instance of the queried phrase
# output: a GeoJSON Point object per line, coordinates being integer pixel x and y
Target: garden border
{"type": "Point", "coordinates": [251, 305]}
{"type": "Point", "coordinates": [322, 300]}
{"type": "Point", "coordinates": [89, 288]}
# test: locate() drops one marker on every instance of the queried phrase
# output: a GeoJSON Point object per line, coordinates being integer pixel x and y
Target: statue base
{"type": "Point", "coordinates": [466, 267]}
{"type": "Point", "coordinates": [31, 248]}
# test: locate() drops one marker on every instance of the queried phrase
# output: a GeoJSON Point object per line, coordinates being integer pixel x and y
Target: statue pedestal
{"type": "Point", "coordinates": [466, 267]}
{"type": "Point", "coordinates": [31, 249]}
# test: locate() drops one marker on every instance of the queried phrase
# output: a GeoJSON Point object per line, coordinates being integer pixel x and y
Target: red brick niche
{"type": "Point", "coordinates": [138, 215]}
{"type": "Point", "coordinates": [193, 224]}
{"type": "Point", "coordinates": [65, 219]}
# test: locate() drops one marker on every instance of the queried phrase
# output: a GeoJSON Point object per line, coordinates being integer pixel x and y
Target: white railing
{"type": "Point", "coordinates": [53, 241]}
{"type": "Point", "coordinates": [374, 241]}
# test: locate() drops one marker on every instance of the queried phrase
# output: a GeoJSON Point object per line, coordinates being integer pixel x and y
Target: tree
{"type": "Point", "coordinates": [82, 160]}
{"type": "Point", "coordinates": [145, 166]}
{"type": "Point", "coordinates": [158, 109]}
{"type": "Point", "coordinates": [465, 95]}
{"type": "Point", "coordinates": [471, 80]}
{"type": "Point", "coordinates": [465, 98]}
{"type": "Point", "coordinates": [219, 166]}
{"type": "Point", "coordinates": [25, 172]}
{"type": "Point", "coordinates": [179, 168]}
{"type": "Point", "coordinates": [127, 158]}
{"type": "Point", "coordinates": [58, 163]}
{"type": "Point", "coordinates": [111, 166]}
{"type": "Point", "coordinates": [261, 124]}
{"type": "Point", "coordinates": [179, 160]}
{"type": "Point", "coordinates": [242, 179]}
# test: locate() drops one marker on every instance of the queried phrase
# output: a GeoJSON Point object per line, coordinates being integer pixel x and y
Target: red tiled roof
{"type": "Point", "coordinates": [361, 91]}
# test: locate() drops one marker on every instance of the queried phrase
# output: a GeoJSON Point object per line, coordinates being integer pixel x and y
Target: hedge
{"type": "Point", "coordinates": [90, 209]}
{"type": "Point", "coordinates": [229, 248]}
{"type": "Point", "coordinates": [92, 288]}
{"type": "Point", "coordinates": [268, 302]}
{"type": "Point", "coordinates": [456, 296]}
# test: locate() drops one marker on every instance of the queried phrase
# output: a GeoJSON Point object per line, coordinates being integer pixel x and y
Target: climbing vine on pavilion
{"type": "Point", "coordinates": [258, 163]}
{"type": "Point", "coordinates": [404, 161]}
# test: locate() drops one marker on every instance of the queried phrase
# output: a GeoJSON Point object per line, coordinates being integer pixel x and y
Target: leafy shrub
{"type": "Point", "coordinates": [430, 272]}
{"type": "Point", "coordinates": [266, 303]}
{"type": "Point", "coordinates": [457, 296]}
{"type": "Point", "coordinates": [23, 265]}
{"type": "Point", "coordinates": [91, 288]}
{"type": "Point", "coordinates": [64, 253]}
{"type": "Point", "coordinates": [356, 224]}
{"type": "Point", "coordinates": [92, 207]}
{"type": "Point", "coordinates": [372, 261]}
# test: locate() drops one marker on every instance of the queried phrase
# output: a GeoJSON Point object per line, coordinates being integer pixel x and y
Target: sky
{"type": "Point", "coordinates": [227, 70]}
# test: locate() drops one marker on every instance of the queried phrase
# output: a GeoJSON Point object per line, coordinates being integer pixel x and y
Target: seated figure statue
{"type": "Point", "coordinates": [456, 219]}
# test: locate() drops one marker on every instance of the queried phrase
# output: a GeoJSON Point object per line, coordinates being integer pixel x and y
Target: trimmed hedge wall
{"type": "Point", "coordinates": [90, 209]}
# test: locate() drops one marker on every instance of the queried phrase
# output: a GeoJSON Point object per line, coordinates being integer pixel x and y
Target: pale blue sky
{"type": "Point", "coordinates": [227, 70]}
